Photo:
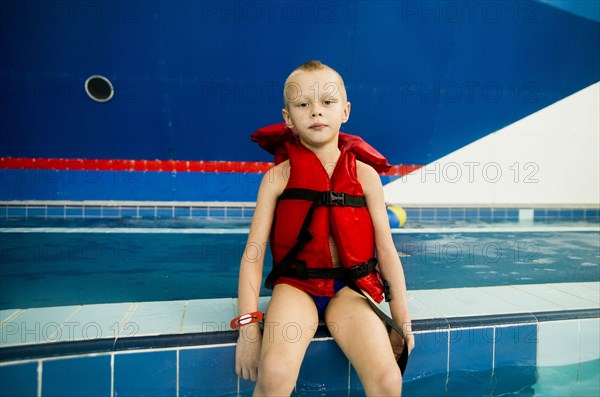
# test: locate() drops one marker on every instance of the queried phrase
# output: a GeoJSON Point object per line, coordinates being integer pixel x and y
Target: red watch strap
{"type": "Point", "coordinates": [246, 319]}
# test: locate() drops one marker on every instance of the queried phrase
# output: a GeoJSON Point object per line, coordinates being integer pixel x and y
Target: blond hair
{"type": "Point", "coordinates": [311, 66]}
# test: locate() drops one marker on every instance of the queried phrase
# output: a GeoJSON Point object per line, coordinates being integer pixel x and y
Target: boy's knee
{"type": "Point", "coordinates": [276, 371]}
{"type": "Point", "coordinates": [391, 380]}
{"type": "Point", "coordinates": [386, 381]}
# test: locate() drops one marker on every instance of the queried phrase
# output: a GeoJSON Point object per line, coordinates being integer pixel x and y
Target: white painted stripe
{"type": "Point", "coordinates": [128, 230]}
{"type": "Point", "coordinates": [540, 229]}
{"type": "Point", "coordinates": [123, 230]}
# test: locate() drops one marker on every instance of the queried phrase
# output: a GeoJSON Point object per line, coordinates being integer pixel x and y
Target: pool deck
{"type": "Point", "coordinates": [23, 328]}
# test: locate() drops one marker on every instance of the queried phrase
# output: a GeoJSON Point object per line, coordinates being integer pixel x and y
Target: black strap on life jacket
{"type": "Point", "coordinates": [327, 197]}
{"type": "Point", "coordinates": [351, 275]}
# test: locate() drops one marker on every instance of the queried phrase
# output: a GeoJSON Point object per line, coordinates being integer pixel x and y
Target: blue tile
{"type": "Point", "coordinates": [429, 357]}
{"type": "Point", "coordinates": [3, 211]}
{"type": "Point", "coordinates": [15, 211]}
{"type": "Point", "coordinates": [471, 214]}
{"type": "Point", "coordinates": [485, 214]}
{"type": "Point", "coordinates": [355, 385]}
{"type": "Point", "coordinates": [199, 212]}
{"type": "Point", "coordinates": [578, 215]}
{"type": "Point", "coordinates": [164, 213]}
{"type": "Point", "coordinates": [427, 214]}
{"type": "Point", "coordinates": [110, 212]}
{"type": "Point", "coordinates": [515, 359]}
{"type": "Point", "coordinates": [209, 371]}
{"type": "Point", "coordinates": [182, 212]}
{"type": "Point", "coordinates": [145, 374]}
{"type": "Point", "coordinates": [147, 212]}
{"type": "Point", "coordinates": [512, 214]}
{"type": "Point", "coordinates": [539, 214]}
{"type": "Point", "coordinates": [92, 212]}
{"type": "Point", "coordinates": [247, 213]}
{"type": "Point", "coordinates": [469, 384]}
{"type": "Point", "coordinates": [552, 214]}
{"type": "Point", "coordinates": [56, 211]}
{"type": "Point", "coordinates": [246, 388]}
{"type": "Point", "coordinates": [129, 212]}
{"type": "Point", "coordinates": [516, 345]}
{"type": "Point", "coordinates": [216, 212]}
{"type": "Point", "coordinates": [18, 380]}
{"type": "Point", "coordinates": [234, 213]}
{"type": "Point", "coordinates": [77, 377]}
{"type": "Point", "coordinates": [325, 367]}
{"type": "Point", "coordinates": [36, 212]}
{"type": "Point", "coordinates": [413, 214]}
{"type": "Point", "coordinates": [592, 214]}
{"type": "Point", "coordinates": [457, 214]}
{"type": "Point", "coordinates": [498, 214]}
{"type": "Point", "coordinates": [566, 214]}
{"type": "Point", "coordinates": [442, 214]}
{"type": "Point", "coordinates": [471, 349]}
{"type": "Point", "coordinates": [430, 386]}
{"type": "Point", "coordinates": [74, 212]}
{"type": "Point", "coordinates": [508, 381]}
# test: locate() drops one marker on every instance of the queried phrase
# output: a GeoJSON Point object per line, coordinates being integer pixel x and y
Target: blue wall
{"type": "Point", "coordinates": [194, 79]}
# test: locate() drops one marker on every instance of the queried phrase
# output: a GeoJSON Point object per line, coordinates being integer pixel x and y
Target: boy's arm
{"type": "Point", "coordinates": [389, 262]}
{"type": "Point", "coordinates": [248, 346]}
{"type": "Point", "coordinates": [251, 265]}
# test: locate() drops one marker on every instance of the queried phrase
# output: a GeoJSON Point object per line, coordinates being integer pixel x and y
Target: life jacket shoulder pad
{"type": "Point", "coordinates": [274, 139]}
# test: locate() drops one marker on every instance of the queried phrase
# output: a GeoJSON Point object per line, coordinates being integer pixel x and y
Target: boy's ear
{"type": "Point", "coordinates": [287, 118]}
{"type": "Point", "coordinates": [346, 112]}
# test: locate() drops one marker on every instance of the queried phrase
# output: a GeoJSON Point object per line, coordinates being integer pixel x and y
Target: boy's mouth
{"type": "Point", "coordinates": [317, 126]}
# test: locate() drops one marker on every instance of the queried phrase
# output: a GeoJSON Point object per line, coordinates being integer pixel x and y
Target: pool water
{"type": "Point", "coordinates": [39, 269]}
{"type": "Point", "coordinates": [578, 380]}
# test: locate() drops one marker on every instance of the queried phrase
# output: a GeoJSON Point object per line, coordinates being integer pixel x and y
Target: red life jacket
{"type": "Point", "coordinates": [350, 225]}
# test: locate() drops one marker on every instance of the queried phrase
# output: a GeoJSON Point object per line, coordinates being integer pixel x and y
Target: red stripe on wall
{"type": "Point", "coordinates": [155, 165]}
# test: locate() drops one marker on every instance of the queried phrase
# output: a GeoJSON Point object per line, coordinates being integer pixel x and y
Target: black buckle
{"type": "Point", "coordinates": [360, 271]}
{"type": "Point", "coordinates": [329, 197]}
{"type": "Point", "coordinates": [301, 272]}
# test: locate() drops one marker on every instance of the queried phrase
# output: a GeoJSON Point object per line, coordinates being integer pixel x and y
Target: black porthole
{"type": "Point", "coordinates": [99, 88]}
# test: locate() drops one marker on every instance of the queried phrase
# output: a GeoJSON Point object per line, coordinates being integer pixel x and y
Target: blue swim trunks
{"type": "Point", "coordinates": [323, 301]}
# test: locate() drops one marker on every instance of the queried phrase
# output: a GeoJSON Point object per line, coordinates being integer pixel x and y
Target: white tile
{"type": "Point", "coordinates": [6, 314]}
{"type": "Point", "coordinates": [444, 303]}
{"type": "Point", "coordinates": [155, 318]}
{"type": "Point", "coordinates": [589, 339]}
{"type": "Point", "coordinates": [587, 291]}
{"type": "Point", "coordinates": [558, 343]}
{"type": "Point", "coordinates": [563, 299]}
{"type": "Point", "coordinates": [95, 322]}
{"type": "Point", "coordinates": [37, 325]}
{"type": "Point", "coordinates": [419, 311]}
{"type": "Point", "coordinates": [205, 315]}
{"type": "Point", "coordinates": [486, 303]}
{"type": "Point", "coordinates": [526, 301]}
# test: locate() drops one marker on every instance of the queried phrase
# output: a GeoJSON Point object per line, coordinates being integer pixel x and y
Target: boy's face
{"type": "Point", "coordinates": [316, 106]}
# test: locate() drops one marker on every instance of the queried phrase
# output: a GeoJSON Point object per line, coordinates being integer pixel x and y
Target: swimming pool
{"type": "Point", "coordinates": [61, 263]}
{"type": "Point", "coordinates": [499, 308]}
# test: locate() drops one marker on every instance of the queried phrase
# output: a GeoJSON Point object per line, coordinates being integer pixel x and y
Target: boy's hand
{"type": "Point", "coordinates": [398, 343]}
{"type": "Point", "coordinates": [247, 352]}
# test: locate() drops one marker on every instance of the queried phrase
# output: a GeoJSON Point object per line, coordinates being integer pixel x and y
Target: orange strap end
{"type": "Point", "coordinates": [246, 319]}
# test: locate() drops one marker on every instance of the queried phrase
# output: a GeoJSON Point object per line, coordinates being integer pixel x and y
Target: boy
{"type": "Point", "coordinates": [325, 213]}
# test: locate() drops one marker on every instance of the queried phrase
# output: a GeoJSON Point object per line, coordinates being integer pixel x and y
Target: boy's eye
{"type": "Point", "coordinates": [327, 102]}
{"type": "Point", "coordinates": [303, 104]}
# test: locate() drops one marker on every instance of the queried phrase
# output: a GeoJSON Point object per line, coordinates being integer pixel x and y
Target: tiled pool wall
{"type": "Point", "coordinates": [245, 210]}
{"type": "Point", "coordinates": [168, 366]}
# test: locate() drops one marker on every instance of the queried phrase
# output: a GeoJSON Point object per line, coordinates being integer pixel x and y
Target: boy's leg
{"type": "Point", "coordinates": [363, 338]}
{"type": "Point", "coordinates": [290, 324]}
